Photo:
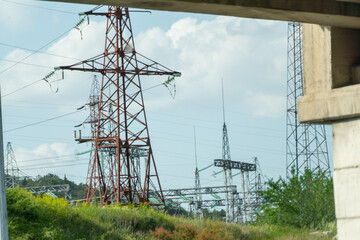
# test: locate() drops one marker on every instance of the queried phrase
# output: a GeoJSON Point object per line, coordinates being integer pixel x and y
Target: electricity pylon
{"type": "Point", "coordinates": [198, 196]}
{"type": "Point", "coordinates": [229, 200]}
{"type": "Point", "coordinates": [122, 125]}
{"type": "Point", "coordinates": [11, 168]}
{"type": "Point", "coordinates": [306, 146]}
{"type": "Point", "coordinates": [92, 120]}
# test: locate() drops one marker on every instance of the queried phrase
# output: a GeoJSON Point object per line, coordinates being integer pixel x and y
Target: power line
{"type": "Point", "coordinates": [29, 64]}
{"type": "Point", "coordinates": [51, 164]}
{"type": "Point", "coordinates": [44, 8]}
{"type": "Point", "coordinates": [46, 120]}
{"type": "Point", "coordinates": [19, 89]}
{"type": "Point", "coordinates": [66, 165]}
{"type": "Point", "coordinates": [47, 158]}
{"type": "Point", "coordinates": [37, 51]}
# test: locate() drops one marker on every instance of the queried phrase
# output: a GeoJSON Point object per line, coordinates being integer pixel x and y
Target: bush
{"type": "Point", "coordinates": [302, 201]}
{"type": "Point", "coordinates": [47, 218]}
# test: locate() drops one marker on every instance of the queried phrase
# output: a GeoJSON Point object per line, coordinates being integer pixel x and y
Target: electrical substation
{"type": "Point", "coordinates": [122, 168]}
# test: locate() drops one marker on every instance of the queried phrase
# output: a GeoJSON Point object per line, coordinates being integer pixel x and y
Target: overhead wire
{"type": "Point", "coordinates": [21, 88]}
{"type": "Point", "coordinates": [29, 64]}
{"type": "Point", "coordinates": [52, 164]}
{"type": "Point", "coordinates": [46, 120]}
{"type": "Point", "coordinates": [66, 165]}
{"type": "Point", "coordinates": [39, 7]}
{"type": "Point", "coordinates": [37, 51]}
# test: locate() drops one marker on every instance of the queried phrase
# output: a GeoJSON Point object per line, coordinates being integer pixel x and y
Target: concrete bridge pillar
{"type": "Point", "coordinates": [332, 95]}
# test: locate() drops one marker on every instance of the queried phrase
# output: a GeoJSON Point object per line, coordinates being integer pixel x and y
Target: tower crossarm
{"type": "Point", "coordinates": [145, 66]}
{"type": "Point", "coordinates": [246, 167]}
{"type": "Point", "coordinates": [203, 190]}
{"type": "Point", "coordinates": [203, 203]}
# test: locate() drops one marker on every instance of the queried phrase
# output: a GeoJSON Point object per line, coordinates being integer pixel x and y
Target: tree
{"type": "Point", "coordinates": [302, 201]}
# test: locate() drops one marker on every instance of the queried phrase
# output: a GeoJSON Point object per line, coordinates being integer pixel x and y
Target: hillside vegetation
{"type": "Point", "coordinates": [48, 218]}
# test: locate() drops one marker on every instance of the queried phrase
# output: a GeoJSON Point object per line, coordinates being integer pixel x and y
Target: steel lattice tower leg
{"type": "Point", "coordinates": [121, 128]}
{"type": "Point", "coordinates": [11, 168]}
{"type": "Point", "coordinates": [306, 145]}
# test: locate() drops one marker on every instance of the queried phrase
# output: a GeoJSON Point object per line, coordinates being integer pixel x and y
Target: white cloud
{"type": "Point", "coordinates": [57, 158]}
{"type": "Point", "coordinates": [43, 155]}
{"type": "Point", "coordinates": [70, 46]}
{"type": "Point", "coordinates": [249, 55]}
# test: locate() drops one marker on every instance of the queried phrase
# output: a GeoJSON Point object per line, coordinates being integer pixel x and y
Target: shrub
{"type": "Point", "coordinates": [302, 201]}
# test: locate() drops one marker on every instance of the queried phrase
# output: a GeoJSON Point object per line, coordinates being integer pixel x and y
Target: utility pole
{"type": "Point", "coordinates": [306, 145]}
{"type": "Point", "coordinates": [121, 106]}
{"type": "Point", "coordinates": [4, 232]}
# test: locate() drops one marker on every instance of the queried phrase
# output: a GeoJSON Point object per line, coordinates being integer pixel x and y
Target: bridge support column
{"type": "Point", "coordinates": [332, 95]}
{"type": "Point", "coordinates": [347, 177]}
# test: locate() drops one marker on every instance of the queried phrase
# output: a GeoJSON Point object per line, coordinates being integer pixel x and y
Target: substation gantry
{"type": "Point", "coordinates": [51, 190]}
{"type": "Point", "coordinates": [249, 201]}
{"type": "Point", "coordinates": [189, 196]}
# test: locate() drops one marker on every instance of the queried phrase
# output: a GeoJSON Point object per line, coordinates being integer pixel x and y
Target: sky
{"type": "Point", "coordinates": [249, 55]}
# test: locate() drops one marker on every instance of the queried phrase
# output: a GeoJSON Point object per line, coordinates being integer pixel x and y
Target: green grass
{"type": "Point", "coordinates": [47, 218]}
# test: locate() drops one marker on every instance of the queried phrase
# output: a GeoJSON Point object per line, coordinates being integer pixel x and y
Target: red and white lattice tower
{"type": "Point", "coordinates": [122, 128]}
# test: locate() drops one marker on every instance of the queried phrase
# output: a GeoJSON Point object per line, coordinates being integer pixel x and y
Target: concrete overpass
{"type": "Point", "coordinates": [331, 75]}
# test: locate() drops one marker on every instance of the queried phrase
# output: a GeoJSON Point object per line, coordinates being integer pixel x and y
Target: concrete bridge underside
{"type": "Point", "coordinates": [324, 12]}
{"type": "Point", "coordinates": [331, 76]}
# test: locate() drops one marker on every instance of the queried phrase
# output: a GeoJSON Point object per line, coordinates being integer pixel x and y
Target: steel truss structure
{"type": "Point", "coordinates": [122, 126]}
{"type": "Point", "coordinates": [52, 189]}
{"type": "Point", "coordinates": [229, 206]}
{"type": "Point", "coordinates": [12, 172]}
{"type": "Point", "coordinates": [92, 120]}
{"type": "Point", "coordinates": [198, 196]}
{"type": "Point", "coordinates": [203, 190]}
{"type": "Point", "coordinates": [306, 145]}
{"type": "Point", "coordinates": [251, 185]}
{"type": "Point", "coordinates": [190, 196]}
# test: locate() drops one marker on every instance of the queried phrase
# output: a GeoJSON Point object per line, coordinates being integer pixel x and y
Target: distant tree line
{"type": "Point", "coordinates": [76, 190]}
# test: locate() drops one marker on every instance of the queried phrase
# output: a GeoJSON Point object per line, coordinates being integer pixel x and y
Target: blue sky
{"type": "Point", "coordinates": [249, 55]}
